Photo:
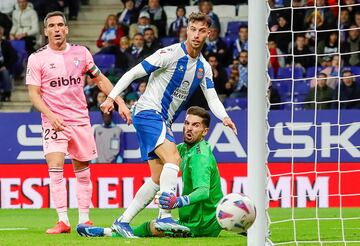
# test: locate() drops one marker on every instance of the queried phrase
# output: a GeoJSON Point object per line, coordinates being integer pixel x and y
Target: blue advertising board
{"type": "Point", "coordinates": [299, 136]}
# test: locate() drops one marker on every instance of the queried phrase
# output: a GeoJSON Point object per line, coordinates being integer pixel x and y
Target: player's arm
{"type": "Point", "coordinates": [35, 97]}
{"type": "Point", "coordinates": [215, 104]}
{"type": "Point", "coordinates": [200, 178]}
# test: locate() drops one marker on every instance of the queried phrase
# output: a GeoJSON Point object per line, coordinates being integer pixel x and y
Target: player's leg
{"type": "Point", "coordinates": [58, 191]}
{"type": "Point", "coordinates": [168, 154]}
{"type": "Point", "coordinates": [83, 189]}
{"type": "Point", "coordinates": [55, 147]}
{"type": "Point", "coordinates": [142, 198]}
{"type": "Point", "coordinates": [82, 149]}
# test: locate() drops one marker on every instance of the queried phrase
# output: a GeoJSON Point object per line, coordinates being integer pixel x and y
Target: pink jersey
{"type": "Point", "coordinates": [60, 74]}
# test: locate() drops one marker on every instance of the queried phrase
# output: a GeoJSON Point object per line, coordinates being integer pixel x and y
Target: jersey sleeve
{"type": "Point", "coordinates": [90, 67]}
{"type": "Point", "coordinates": [33, 71]}
{"type": "Point", "coordinates": [157, 60]}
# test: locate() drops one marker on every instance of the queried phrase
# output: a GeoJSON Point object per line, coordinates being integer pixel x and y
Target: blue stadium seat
{"type": "Point", "coordinates": [19, 46]}
{"type": "Point", "coordinates": [230, 39]}
{"type": "Point", "coordinates": [166, 41]}
{"type": "Point", "coordinates": [301, 87]}
{"type": "Point", "coordinates": [234, 26]}
{"type": "Point", "coordinates": [283, 87]}
{"type": "Point", "coordinates": [312, 71]}
{"type": "Point", "coordinates": [286, 72]}
{"type": "Point", "coordinates": [235, 102]}
{"type": "Point", "coordinates": [104, 61]}
{"type": "Point", "coordinates": [271, 73]}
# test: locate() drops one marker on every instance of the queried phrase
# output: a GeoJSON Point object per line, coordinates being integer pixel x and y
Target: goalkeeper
{"type": "Point", "coordinates": [202, 189]}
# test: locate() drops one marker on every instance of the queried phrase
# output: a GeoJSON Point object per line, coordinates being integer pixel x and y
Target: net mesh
{"type": "Point", "coordinates": [313, 76]}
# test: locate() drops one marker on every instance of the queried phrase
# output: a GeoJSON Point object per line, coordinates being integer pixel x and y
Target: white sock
{"type": "Point", "coordinates": [142, 198]}
{"type": "Point", "coordinates": [107, 232]}
{"type": "Point", "coordinates": [83, 217]}
{"type": "Point", "coordinates": [63, 216]}
{"type": "Point", "coordinates": [168, 183]}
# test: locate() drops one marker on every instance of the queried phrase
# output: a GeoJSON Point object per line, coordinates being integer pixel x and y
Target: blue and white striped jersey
{"type": "Point", "coordinates": [174, 78]}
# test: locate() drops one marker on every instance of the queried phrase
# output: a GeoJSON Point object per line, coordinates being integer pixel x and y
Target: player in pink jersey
{"type": "Point", "coordinates": [55, 79]}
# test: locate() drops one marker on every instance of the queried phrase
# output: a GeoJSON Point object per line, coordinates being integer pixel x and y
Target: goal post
{"type": "Point", "coordinates": [257, 110]}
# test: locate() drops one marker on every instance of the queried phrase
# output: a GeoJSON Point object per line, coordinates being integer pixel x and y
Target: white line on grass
{"type": "Point", "coordinates": [13, 229]}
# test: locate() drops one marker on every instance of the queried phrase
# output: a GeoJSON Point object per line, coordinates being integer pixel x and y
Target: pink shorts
{"type": "Point", "coordinates": [76, 141]}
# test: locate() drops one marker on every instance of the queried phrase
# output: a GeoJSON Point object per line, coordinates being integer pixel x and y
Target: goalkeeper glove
{"type": "Point", "coordinates": [170, 201]}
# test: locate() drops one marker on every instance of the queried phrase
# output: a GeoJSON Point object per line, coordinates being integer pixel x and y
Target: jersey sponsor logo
{"type": "Point", "coordinates": [52, 66]}
{"type": "Point", "coordinates": [162, 52]}
{"type": "Point", "coordinates": [183, 91]}
{"type": "Point", "coordinates": [61, 81]}
{"type": "Point", "coordinates": [200, 73]}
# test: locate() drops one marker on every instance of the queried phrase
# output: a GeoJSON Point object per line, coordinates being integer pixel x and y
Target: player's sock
{"type": "Point", "coordinates": [142, 198]}
{"type": "Point", "coordinates": [83, 193]}
{"type": "Point", "coordinates": [142, 230]}
{"type": "Point", "coordinates": [58, 193]}
{"type": "Point", "coordinates": [168, 183]}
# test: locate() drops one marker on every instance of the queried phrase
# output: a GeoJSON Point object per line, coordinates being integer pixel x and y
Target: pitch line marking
{"type": "Point", "coordinates": [13, 229]}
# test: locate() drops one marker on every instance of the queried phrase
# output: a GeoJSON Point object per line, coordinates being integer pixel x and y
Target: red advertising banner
{"type": "Point", "coordinates": [114, 185]}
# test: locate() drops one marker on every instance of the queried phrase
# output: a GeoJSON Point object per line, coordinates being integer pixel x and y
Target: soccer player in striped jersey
{"type": "Point", "coordinates": [55, 79]}
{"type": "Point", "coordinates": [175, 73]}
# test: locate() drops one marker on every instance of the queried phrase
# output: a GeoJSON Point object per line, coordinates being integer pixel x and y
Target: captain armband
{"type": "Point", "coordinates": [93, 72]}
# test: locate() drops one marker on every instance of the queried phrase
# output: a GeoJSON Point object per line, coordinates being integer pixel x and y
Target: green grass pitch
{"type": "Point", "coordinates": [37, 221]}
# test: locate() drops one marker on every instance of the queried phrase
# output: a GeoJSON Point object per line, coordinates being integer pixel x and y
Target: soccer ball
{"type": "Point", "coordinates": [235, 212]}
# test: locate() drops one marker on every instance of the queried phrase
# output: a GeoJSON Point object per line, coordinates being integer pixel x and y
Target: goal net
{"type": "Point", "coordinates": [313, 122]}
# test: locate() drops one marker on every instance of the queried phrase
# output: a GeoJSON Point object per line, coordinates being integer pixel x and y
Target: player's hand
{"type": "Point", "coordinates": [229, 123]}
{"type": "Point", "coordinates": [56, 122]}
{"type": "Point", "coordinates": [170, 201]}
{"type": "Point", "coordinates": [107, 106]}
{"type": "Point", "coordinates": [125, 113]}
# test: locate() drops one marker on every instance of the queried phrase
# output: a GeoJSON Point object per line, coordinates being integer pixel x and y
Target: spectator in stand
{"type": "Point", "coordinates": [183, 34]}
{"type": "Point", "coordinates": [137, 51]}
{"type": "Point", "coordinates": [206, 7]}
{"type": "Point", "coordinates": [349, 90]}
{"type": "Point", "coordinates": [240, 88]}
{"type": "Point", "coordinates": [345, 23]}
{"type": "Point", "coordinates": [141, 88]}
{"type": "Point", "coordinates": [25, 25]}
{"type": "Point", "coordinates": [181, 21]}
{"type": "Point", "coordinates": [220, 77]}
{"type": "Point", "coordinates": [109, 141]}
{"type": "Point", "coordinates": [42, 7]}
{"type": "Point", "coordinates": [233, 78]}
{"type": "Point", "coordinates": [139, 4]}
{"type": "Point", "coordinates": [352, 44]}
{"type": "Point", "coordinates": [276, 60]}
{"type": "Point", "coordinates": [151, 42]}
{"type": "Point", "coordinates": [141, 25]}
{"type": "Point", "coordinates": [157, 16]}
{"type": "Point", "coordinates": [110, 34]}
{"type": "Point", "coordinates": [301, 51]}
{"type": "Point", "coordinates": [331, 69]}
{"type": "Point", "coordinates": [100, 98]}
{"type": "Point", "coordinates": [241, 43]}
{"type": "Point", "coordinates": [352, 7]}
{"type": "Point", "coordinates": [329, 45]}
{"type": "Point", "coordinates": [214, 44]}
{"type": "Point", "coordinates": [313, 22]}
{"type": "Point", "coordinates": [322, 92]}
{"type": "Point", "coordinates": [120, 54]}
{"type": "Point", "coordinates": [7, 60]}
{"type": "Point", "coordinates": [327, 15]}
{"type": "Point", "coordinates": [357, 19]}
{"type": "Point", "coordinates": [6, 9]}
{"type": "Point", "coordinates": [131, 98]}
{"type": "Point", "coordinates": [127, 16]}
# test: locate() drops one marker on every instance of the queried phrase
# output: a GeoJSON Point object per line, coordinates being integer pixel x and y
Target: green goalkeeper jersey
{"type": "Point", "coordinates": [202, 184]}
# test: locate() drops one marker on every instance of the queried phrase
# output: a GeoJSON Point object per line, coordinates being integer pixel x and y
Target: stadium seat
{"type": "Point", "coordinates": [19, 46]}
{"type": "Point", "coordinates": [271, 73]}
{"type": "Point", "coordinates": [191, 8]}
{"type": "Point", "coordinates": [286, 72]}
{"type": "Point", "coordinates": [104, 61]}
{"type": "Point", "coordinates": [243, 11]}
{"type": "Point", "coordinates": [229, 40]}
{"type": "Point", "coordinates": [310, 71]}
{"type": "Point", "coordinates": [284, 87]}
{"type": "Point", "coordinates": [234, 26]}
{"type": "Point", "coordinates": [170, 11]}
{"type": "Point", "coordinates": [166, 41]}
{"type": "Point", "coordinates": [230, 103]}
{"type": "Point", "coordinates": [223, 10]}
{"type": "Point", "coordinates": [301, 87]}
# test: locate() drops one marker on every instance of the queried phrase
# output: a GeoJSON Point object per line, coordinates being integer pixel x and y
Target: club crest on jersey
{"type": "Point", "coordinates": [52, 65]}
{"type": "Point", "coordinates": [181, 68]}
{"type": "Point", "coordinates": [76, 61]}
{"type": "Point", "coordinates": [200, 73]}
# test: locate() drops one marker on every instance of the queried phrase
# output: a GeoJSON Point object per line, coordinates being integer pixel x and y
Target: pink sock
{"type": "Point", "coordinates": [58, 189]}
{"type": "Point", "coordinates": [83, 189]}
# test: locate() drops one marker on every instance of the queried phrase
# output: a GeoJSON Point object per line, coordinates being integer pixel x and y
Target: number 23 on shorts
{"type": "Point", "coordinates": [49, 133]}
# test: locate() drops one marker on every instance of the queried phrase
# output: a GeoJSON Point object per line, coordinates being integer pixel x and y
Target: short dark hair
{"type": "Point", "coordinates": [148, 29]}
{"type": "Point", "coordinates": [201, 112]}
{"type": "Point", "coordinates": [54, 13]}
{"type": "Point", "coordinates": [199, 16]}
